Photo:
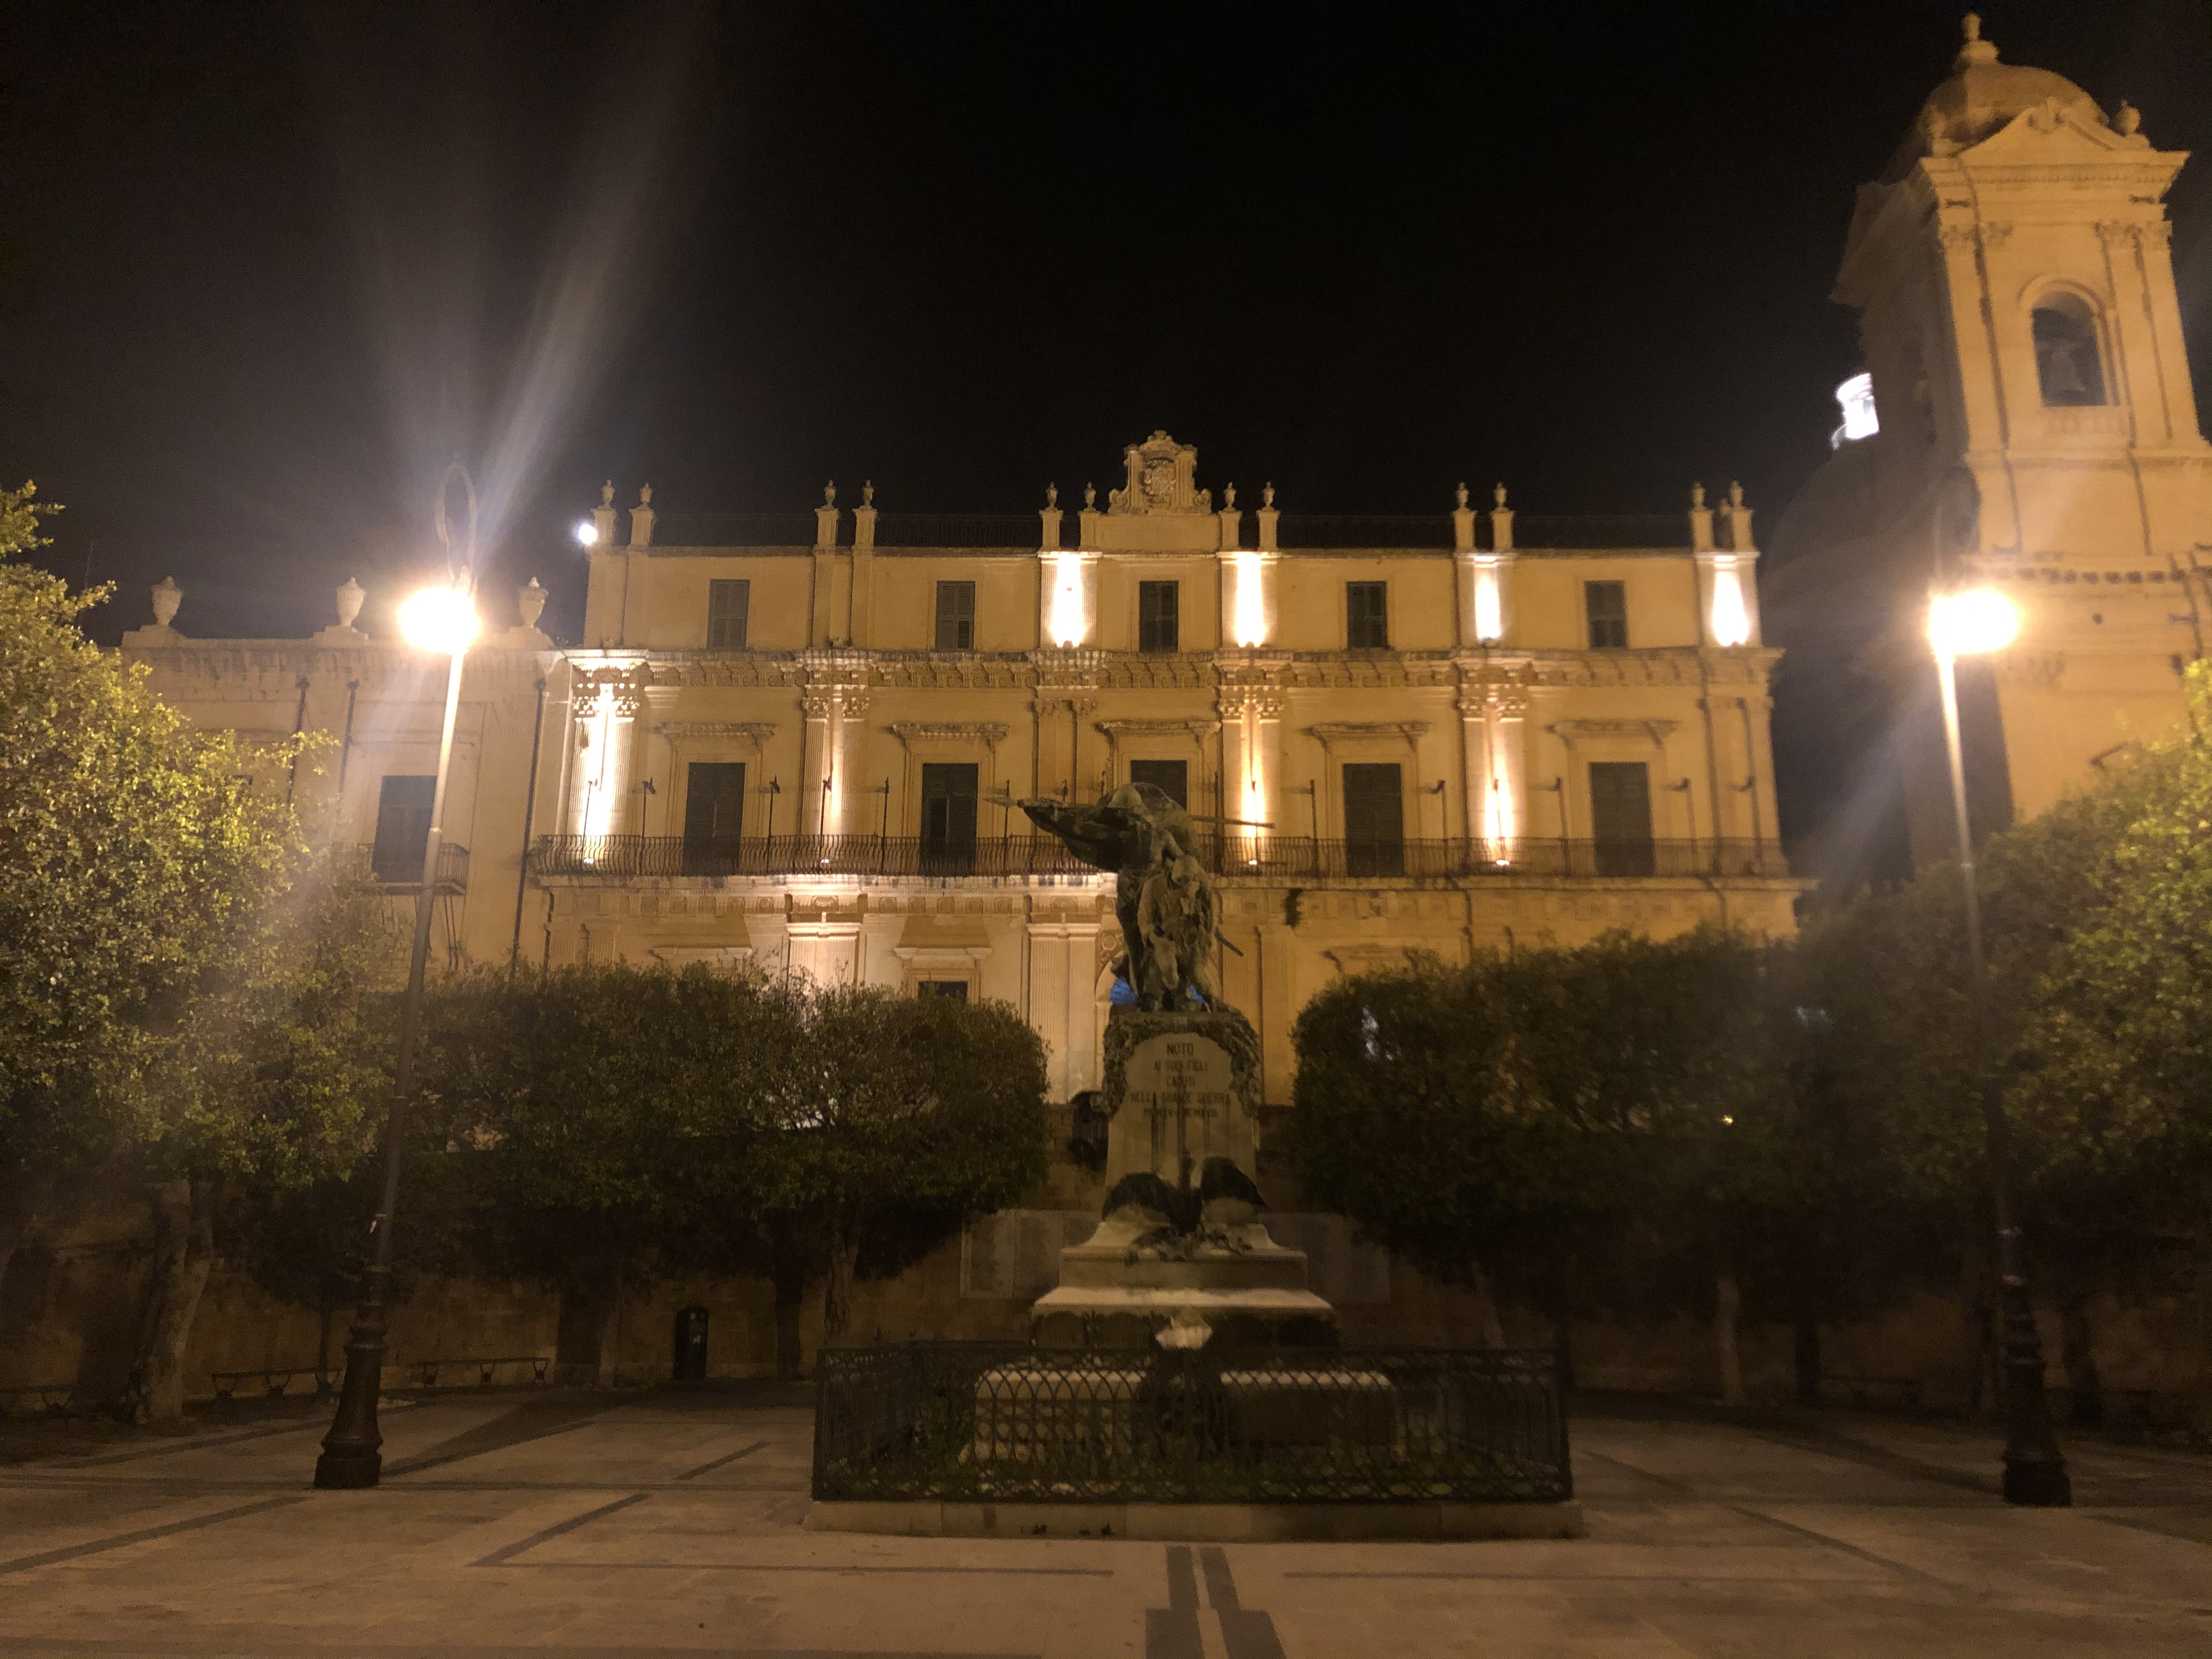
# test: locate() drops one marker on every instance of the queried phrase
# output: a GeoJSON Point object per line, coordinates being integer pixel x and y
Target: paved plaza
{"type": "Point", "coordinates": [668, 1522]}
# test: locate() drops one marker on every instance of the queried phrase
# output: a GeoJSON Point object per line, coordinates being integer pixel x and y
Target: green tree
{"type": "Point", "coordinates": [132, 859]}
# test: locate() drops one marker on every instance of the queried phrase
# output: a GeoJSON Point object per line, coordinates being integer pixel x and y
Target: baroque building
{"type": "Point", "coordinates": [2025, 422]}
{"type": "Point", "coordinates": [796, 741]}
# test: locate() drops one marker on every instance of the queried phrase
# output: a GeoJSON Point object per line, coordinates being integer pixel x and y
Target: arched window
{"type": "Point", "coordinates": [2067, 365]}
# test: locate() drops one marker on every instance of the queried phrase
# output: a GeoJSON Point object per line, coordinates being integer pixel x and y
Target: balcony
{"type": "Point", "coordinates": [399, 870]}
{"type": "Point", "coordinates": [1270, 859]}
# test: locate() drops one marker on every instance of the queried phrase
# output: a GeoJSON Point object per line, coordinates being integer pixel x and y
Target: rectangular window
{"type": "Point", "coordinates": [1374, 821]}
{"type": "Point", "coordinates": [1620, 817]}
{"type": "Point", "coordinates": [956, 616]}
{"type": "Point", "coordinates": [1170, 777]}
{"type": "Point", "coordinates": [402, 828]}
{"type": "Point", "coordinates": [949, 792]}
{"type": "Point", "coordinates": [1160, 616]}
{"type": "Point", "coordinates": [728, 604]}
{"type": "Point", "coordinates": [1605, 604]}
{"type": "Point", "coordinates": [1366, 616]}
{"type": "Point", "coordinates": [955, 988]}
{"type": "Point", "coordinates": [714, 817]}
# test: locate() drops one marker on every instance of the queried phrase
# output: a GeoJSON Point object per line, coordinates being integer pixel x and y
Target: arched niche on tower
{"type": "Point", "coordinates": [2071, 354]}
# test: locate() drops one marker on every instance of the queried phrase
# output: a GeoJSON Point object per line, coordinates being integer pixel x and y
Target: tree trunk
{"type": "Point", "coordinates": [20, 1200]}
{"type": "Point", "coordinates": [788, 1269]}
{"type": "Point", "coordinates": [183, 1252]}
{"type": "Point", "coordinates": [837, 1285]}
{"type": "Point", "coordinates": [1485, 1294]}
{"type": "Point", "coordinates": [1977, 1333]}
{"type": "Point", "coordinates": [1806, 1331]}
{"type": "Point", "coordinates": [1728, 1305]}
{"type": "Point", "coordinates": [2076, 1345]}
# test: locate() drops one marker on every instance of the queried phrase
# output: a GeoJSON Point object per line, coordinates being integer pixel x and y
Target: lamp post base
{"type": "Point", "coordinates": [353, 1451]}
{"type": "Point", "coordinates": [2038, 1482]}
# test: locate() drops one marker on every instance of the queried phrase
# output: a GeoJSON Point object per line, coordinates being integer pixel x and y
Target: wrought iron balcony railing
{"type": "Point", "coordinates": [400, 869]}
{"type": "Point", "coordinates": [1272, 858]}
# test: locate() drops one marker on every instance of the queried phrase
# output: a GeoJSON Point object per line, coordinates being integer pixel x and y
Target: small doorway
{"type": "Point", "coordinates": [1374, 820]}
{"type": "Point", "coordinates": [691, 1346]}
{"type": "Point", "coordinates": [1620, 817]}
{"type": "Point", "coordinates": [949, 796]}
{"type": "Point", "coordinates": [714, 818]}
{"type": "Point", "coordinates": [1170, 777]}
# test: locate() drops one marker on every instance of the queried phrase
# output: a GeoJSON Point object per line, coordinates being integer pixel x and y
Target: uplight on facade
{"type": "Point", "coordinates": [1067, 618]}
{"type": "Point", "coordinates": [1731, 617]}
{"type": "Point", "coordinates": [1489, 604]}
{"type": "Point", "coordinates": [1248, 618]}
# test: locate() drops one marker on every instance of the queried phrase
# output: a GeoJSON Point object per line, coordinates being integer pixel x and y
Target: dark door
{"type": "Point", "coordinates": [1374, 821]}
{"type": "Point", "coordinates": [691, 1346]}
{"type": "Point", "coordinates": [1620, 817]}
{"type": "Point", "coordinates": [1171, 778]}
{"type": "Point", "coordinates": [402, 828]}
{"type": "Point", "coordinates": [714, 818]}
{"type": "Point", "coordinates": [948, 818]}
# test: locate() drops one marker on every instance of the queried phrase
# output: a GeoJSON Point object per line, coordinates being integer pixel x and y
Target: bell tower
{"type": "Point", "coordinates": [2038, 432]}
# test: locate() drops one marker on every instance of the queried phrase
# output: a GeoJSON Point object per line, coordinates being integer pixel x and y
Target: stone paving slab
{"type": "Point", "coordinates": [649, 1526]}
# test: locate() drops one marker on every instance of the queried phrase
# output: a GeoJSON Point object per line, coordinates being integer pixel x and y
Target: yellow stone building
{"type": "Point", "coordinates": [797, 743]}
{"type": "Point", "coordinates": [2037, 431]}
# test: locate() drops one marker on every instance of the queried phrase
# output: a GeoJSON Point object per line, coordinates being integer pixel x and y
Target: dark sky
{"type": "Point", "coordinates": [265, 270]}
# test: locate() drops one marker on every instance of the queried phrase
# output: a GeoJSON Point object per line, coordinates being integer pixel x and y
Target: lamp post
{"type": "Point", "coordinates": [441, 618]}
{"type": "Point", "coordinates": [1958, 624]}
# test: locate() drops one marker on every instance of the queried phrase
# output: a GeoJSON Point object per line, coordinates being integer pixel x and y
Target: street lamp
{"type": "Point", "coordinates": [439, 618]}
{"type": "Point", "coordinates": [1965, 625]}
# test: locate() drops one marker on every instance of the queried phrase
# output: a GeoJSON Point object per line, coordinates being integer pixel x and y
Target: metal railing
{"type": "Point", "coordinates": [399, 870]}
{"type": "Point", "coordinates": [1004, 1422]}
{"type": "Point", "coordinates": [275, 1381]}
{"type": "Point", "coordinates": [1270, 858]}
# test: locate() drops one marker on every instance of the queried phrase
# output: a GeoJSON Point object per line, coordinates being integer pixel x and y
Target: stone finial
{"type": "Point", "coordinates": [2127, 119]}
{"type": "Point", "coordinates": [1696, 497]}
{"type": "Point", "coordinates": [1052, 495]}
{"type": "Point", "coordinates": [349, 602]}
{"type": "Point", "coordinates": [1459, 497]}
{"type": "Point", "coordinates": [1976, 50]}
{"type": "Point", "coordinates": [829, 493]}
{"type": "Point", "coordinates": [529, 601]}
{"type": "Point", "coordinates": [644, 495]}
{"type": "Point", "coordinates": [168, 596]}
{"type": "Point", "coordinates": [607, 492]}
{"type": "Point", "coordinates": [1497, 495]}
{"type": "Point", "coordinates": [1736, 495]}
{"type": "Point", "coordinates": [868, 493]}
{"type": "Point", "coordinates": [1228, 496]}
{"type": "Point", "coordinates": [1090, 497]}
{"type": "Point", "coordinates": [1268, 497]}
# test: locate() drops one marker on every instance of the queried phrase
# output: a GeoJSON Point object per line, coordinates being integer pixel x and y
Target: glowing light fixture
{"type": "Point", "coordinates": [1064, 618]}
{"type": "Point", "coordinates": [1966, 624]}
{"type": "Point", "coordinates": [1856, 398]}
{"type": "Point", "coordinates": [1251, 613]}
{"type": "Point", "coordinates": [1731, 619]}
{"type": "Point", "coordinates": [588, 533]}
{"type": "Point", "coordinates": [1489, 604]}
{"type": "Point", "coordinates": [439, 619]}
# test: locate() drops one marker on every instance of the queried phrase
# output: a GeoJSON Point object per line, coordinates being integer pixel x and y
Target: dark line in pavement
{"type": "Point", "coordinates": [499, 1557]}
{"type": "Point", "coordinates": [706, 1469]}
{"type": "Point", "coordinates": [1220, 1587]}
{"type": "Point", "coordinates": [1839, 1544]}
{"type": "Point", "coordinates": [779, 1566]}
{"type": "Point", "coordinates": [1182, 1583]}
{"type": "Point", "coordinates": [195, 1443]}
{"type": "Point", "coordinates": [1577, 1578]}
{"type": "Point", "coordinates": [517, 1427]}
{"type": "Point", "coordinates": [48, 1558]}
{"type": "Point", "coordinates": [1875, 1457]}
{"type": "Point", "coordinates": [1640, 1474]}
{"type": "Point", "coordinates": [1246, 1633]}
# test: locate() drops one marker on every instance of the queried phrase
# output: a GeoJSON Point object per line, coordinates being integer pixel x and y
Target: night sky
{"type": "Point", "coordinates": [265, 269]}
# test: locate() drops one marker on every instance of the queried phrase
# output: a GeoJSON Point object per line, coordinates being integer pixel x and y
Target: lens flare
{"type": "Point", "coordinates": [438, 619]}
{"type": "Point", "coordinates": [1966, 624]}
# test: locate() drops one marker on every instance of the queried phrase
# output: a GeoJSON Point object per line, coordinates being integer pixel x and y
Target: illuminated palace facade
{"type": "Point", "coordinates": [795, 743]}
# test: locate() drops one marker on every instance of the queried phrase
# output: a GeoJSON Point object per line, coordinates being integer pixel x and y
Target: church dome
{"type": "Point", "coordinates": [1981, 96]}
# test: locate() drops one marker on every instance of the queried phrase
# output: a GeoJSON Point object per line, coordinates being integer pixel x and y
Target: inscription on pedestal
{"type": "Point", "coordinates": [1179, 1107]}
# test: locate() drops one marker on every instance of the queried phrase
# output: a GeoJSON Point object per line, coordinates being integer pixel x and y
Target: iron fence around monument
{"type": "Point", "coordinates": [1007, 1423]}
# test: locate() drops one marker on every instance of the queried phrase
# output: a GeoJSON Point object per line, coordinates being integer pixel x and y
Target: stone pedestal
{"type": "Point", "coordinates": [1180, 1089]}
